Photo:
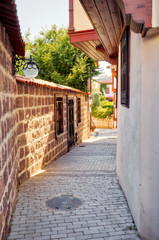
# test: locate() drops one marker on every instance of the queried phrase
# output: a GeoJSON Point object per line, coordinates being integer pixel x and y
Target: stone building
{"type": "Point", "coordinates": [125, 33]}
{"type": "Point", "coordinates": [39, 121]}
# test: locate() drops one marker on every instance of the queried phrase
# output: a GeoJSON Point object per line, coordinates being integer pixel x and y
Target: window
{"type": "Point", "coordinates": [107, 90]}
{"type": "Point", "coordinates": [78, 110]}
{"type": "Point", "coordinates": [59, 115]}
{"type": "Point", "coordinates": [125, 68]}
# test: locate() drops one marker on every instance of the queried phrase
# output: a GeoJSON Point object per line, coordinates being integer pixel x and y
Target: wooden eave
{"type": "Point", "coordinates": [106, 19]}
{"type": "Point", "coordinates": [109, 17]}
{"type": "Point", "coordinates": [87, 41]}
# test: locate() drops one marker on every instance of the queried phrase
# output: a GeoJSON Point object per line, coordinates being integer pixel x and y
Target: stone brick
{"type": "Point", "coordinates": [20, 88]}
{"type": "Point", "coordinates": [0, 108]}
{"type": "Point", "coordinates": [5, 176]}
{"type": "Point", "coordinates": [4, 154]}
{"type": "Point", "coordinates": [26, 102]}
{"type": "Point", "coordinates": [20, 128]}
{"type": "Point", "coordinates": [46, 110]}
{"type": "Point", "coordinates": [5, 205]}
{"type": "Point", "coordinates": [4, 106]}
{"type": "Point", "coordinates": [33, 112]}
{"type": "Point", "coordinates": [21, 152]}
{"type": "Point", "coordinates": [25, 125]}
{"type": "Point", "coordinates": [22, 140]}
{"type": "Point", "coordinates": [21, 115]}
{"type": "Point", "coordinates": [3, 130]}
{"type": "Point", "coordinates": [31, 103]}
{"type": "Point", "coordinates": [31, 88]}
{"type": "Point", "coordinates": [43, 101]}
{"type": "Point", "coordinates": [22, 165]}
{"type": "Point", "coordinates": [12, 104]}
{"type": "Point", "coordinates": [2, 80]}
{"type": "Point", "coordinates": [1, 187]}
{"type": "Point", "coordinates": [39, 101]}
{"type": "Point", "coordinates": [1, 220]}
{"type": "Point", "coordinates": [27, 151]}
{"type": "Point", "coordinates": [37, 90]}
{"type": "Point", "coordinates": [9, 167]}
{"type": "Point", "coordinates": [27, 113]}
{"type": "Point", "coordinates": [26, 89]}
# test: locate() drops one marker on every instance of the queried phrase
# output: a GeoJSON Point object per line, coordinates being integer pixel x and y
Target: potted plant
{"type": "Point", "coordinates": [92, 126]}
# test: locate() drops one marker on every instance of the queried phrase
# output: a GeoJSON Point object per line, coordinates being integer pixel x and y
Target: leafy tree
{"type": "Point", "coordinates": [59, 61]}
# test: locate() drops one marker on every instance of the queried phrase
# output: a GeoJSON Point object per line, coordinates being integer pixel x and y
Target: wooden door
{"type": "Point", "coordinates": [71, 122]}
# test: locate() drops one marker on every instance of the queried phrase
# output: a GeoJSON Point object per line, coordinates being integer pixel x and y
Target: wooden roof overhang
{"type": "Point", "coordinates": [9, 18]}
{"type": "Point", "coordinates": [109, 17]}
{"type": "Point", "coordinates": [87, 41]}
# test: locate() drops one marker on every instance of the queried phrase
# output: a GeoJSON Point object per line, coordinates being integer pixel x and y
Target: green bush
{"type": "Point", "coordinates": [103, 98]}
{"type": "Point", "coordinates": [100, 107]}
{"type": "Point", "coordinates": [105, 104]}
{"type": "Point", "coordinates": [101, 113]}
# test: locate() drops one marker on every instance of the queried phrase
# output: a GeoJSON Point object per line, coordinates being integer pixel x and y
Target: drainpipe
{"type": "Point", "coordinates": [114, 87]}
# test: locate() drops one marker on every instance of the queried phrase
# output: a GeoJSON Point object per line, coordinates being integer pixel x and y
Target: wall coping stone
{"type": "Point", "coordinates": [47, 84]}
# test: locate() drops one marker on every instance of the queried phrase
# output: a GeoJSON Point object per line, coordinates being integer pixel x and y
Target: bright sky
{"type": "Point", "coordinates": [38, 14]}
{"type": "Point", "coordinates": [41, 13]}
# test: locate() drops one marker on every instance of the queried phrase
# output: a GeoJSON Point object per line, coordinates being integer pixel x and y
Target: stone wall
{"type": "Point", "coordinates": [8, 133]}
{"type": "Point", "coordinates": [37, 141]}
{"type": "Point", "coordinates": [103, 123]}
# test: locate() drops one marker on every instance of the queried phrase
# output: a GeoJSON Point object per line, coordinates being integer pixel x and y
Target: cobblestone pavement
{"type": "Point", "coordinates": [87, 172]}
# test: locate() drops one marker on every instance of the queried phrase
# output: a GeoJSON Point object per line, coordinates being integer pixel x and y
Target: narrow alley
{"type": "Point", "coordinates": [88, 174]}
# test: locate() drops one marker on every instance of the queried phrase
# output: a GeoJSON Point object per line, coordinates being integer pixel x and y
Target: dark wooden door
{"type": "Point", "coordinates": [71, 122]}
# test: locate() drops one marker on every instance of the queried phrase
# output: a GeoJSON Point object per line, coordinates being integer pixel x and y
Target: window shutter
{"type": "Point", "coordinates": [125, 68]}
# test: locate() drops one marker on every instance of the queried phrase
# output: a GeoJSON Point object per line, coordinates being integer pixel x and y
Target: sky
{"type": "Point", "coordinates": [39, 14]}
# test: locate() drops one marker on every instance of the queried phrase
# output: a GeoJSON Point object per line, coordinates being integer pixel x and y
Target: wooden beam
{"type": "Point", "coordinates": [93, 14]}
{"type": "Point", "coordinates": [82, 36]}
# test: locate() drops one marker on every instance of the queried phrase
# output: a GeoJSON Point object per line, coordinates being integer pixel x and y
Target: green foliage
{"type": "Point", "coordinates": [107, 104]}
{"type": "Point", "coordinates": [96, 100]}
{"type": "Point", "coordinates": [59, 61]}
{"type": "Point", "coordinates": [101, 108]}
{"type": "Point", "coordinates": [103, 98]}
{"type": "Point", "coordinates": [101, 113]}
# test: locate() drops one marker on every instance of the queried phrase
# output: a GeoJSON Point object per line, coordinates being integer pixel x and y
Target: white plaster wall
{"type": "Point", "coordinates": [81, 21]}
{"type": "Point", "coordinates": [129, 132]}
{"type": "Point", "coordinates": [150, 139]}
{"type": "Point", "coordinates": [155, 13]}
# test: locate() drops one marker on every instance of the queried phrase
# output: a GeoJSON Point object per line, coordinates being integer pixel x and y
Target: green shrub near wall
{"type": "Point", "coordinates": [101, 108]}
{"type": "Point", "coordinates": [106, 104]}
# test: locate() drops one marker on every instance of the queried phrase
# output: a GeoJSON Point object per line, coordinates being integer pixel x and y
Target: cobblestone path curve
{"type": "Point", "coordinates": [88, 173]}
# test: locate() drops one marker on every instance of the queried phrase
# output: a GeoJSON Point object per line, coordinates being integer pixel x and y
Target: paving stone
{"type": "Point", "coordinates": [87, 173]}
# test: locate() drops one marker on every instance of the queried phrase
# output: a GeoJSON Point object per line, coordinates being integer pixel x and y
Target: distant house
{"type": "Point", "coordinates": [105, 86]}
{"type": "Point", "coordinates": [128, 38]}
